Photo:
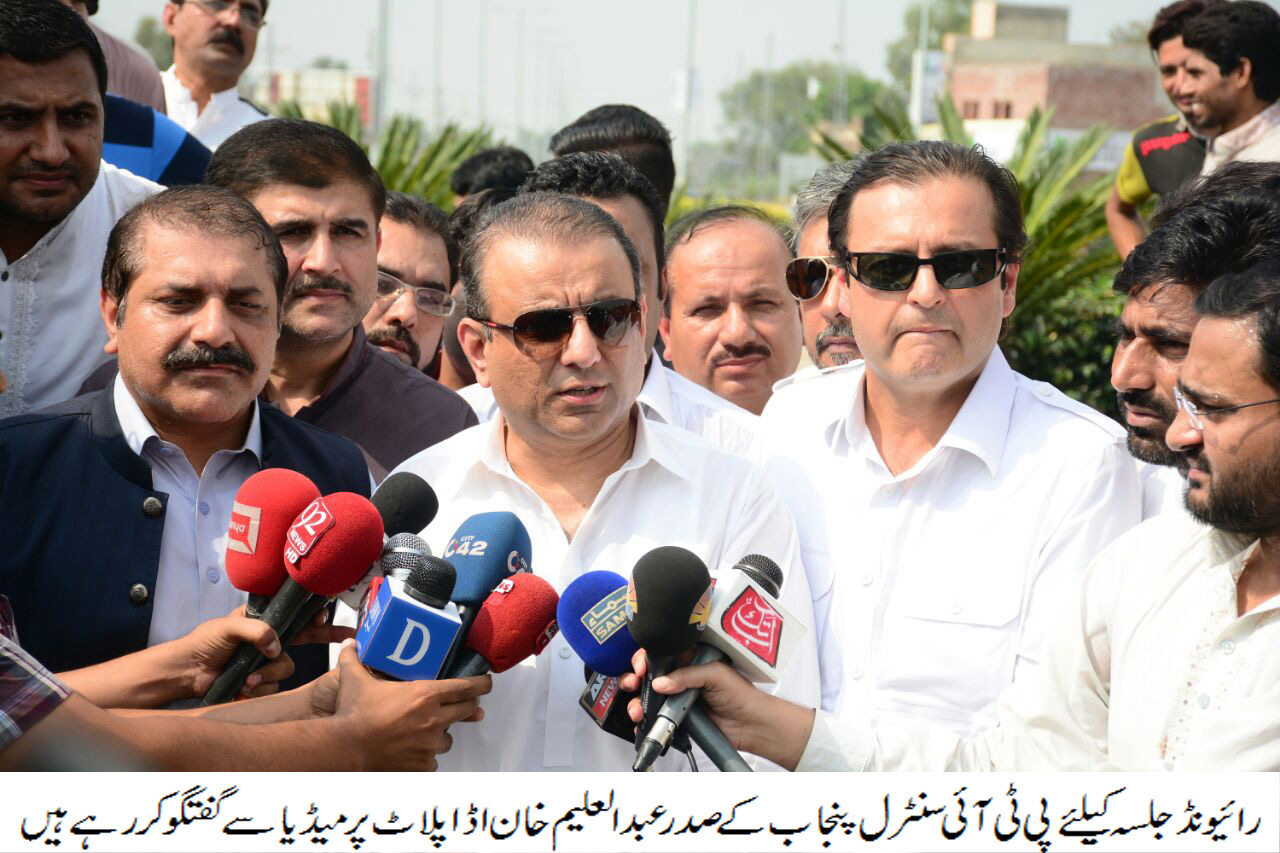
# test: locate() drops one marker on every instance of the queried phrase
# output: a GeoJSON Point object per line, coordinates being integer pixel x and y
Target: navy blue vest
{"type": "Point", "coordinates": [80, 526]}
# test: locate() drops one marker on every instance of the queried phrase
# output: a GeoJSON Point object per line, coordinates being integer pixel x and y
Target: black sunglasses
{"type": "Point", "coordinates": [808, 277]}
{"type": "Point", "coordinates": [542, 334]}
{"type": "Point", "coordinates": [896, 271]}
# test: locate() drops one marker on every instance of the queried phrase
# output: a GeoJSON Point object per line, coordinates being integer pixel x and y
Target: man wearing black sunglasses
{"type": "Point", "coordinates": [948, 502]}
{"type": "Point", "coordinates": [555, 326]}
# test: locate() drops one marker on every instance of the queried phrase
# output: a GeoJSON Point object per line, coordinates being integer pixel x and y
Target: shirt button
{"type": "Point", "coordinates": [138, 594]}
{"type": "Point", "coordinates": [956, 608]}
{"type": "Point", "coordinates": [1228, 647]}
{"type": "Point", "coordinates": [204, 507]}
{"type": "Point", "coordinates": [868, 579]}
{"type": "Point", "coordinates": [565, 653]}
{"type": "Point", "coordinates": [213, 576]}
{"type": "Point", "coordinates": [152, 507]}
{"type": "Point", "coordinates": [4, 276]}
{"type": "Point", "coordinates": [855, 673]}
{"type": "Point", "coordinates": [1204, 700]}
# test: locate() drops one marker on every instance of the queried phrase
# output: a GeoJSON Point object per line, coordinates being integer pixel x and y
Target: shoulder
{"type": "Point", "coordinates": [814, 400]}
{"type": "Point", "coordinates": [303, 436]}
{"type": "Point", "coordinates": [48, 422]}
{"type": "Point", "coordinates": [1159, 127]}
{"type": "Point", "coordinates": [806, 374]}
{"type": "Point", "coordinates": [707, 463]}
{"type": "Point", "coordinates": [124, 189]}
{"type": "Point", "coordinates": [1148, 551]}
{"type": "Point", "coordinates": [248, 106]}
{"type": "Point", "coordinates": [1047, 407]}
{"type": "Point", "coordinates": [447, 457]}
{"type": "Point", "coordinates": [416, 388]}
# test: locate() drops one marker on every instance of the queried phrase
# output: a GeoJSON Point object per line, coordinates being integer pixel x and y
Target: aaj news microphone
{"type": "Point", "coordinates": [747, 627]}
{"type": "Point", "coordinates": [327, 548]}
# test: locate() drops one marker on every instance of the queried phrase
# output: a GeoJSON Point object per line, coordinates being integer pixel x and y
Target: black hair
{"type": "Point", "coordinates": [686, 227]}
{"type": "Point", "coordinates": [491, 168]}
{"type": "Point", "coordinates": [600, 174]}
{"type": "Point", "coordinates": [913, 163]}
{"type": "Point", "coordinates": [1243, 29]}
{"type": "Point", "coordinates": [197, 207]}
{"type": "Point", "coordinates": [424, 216]}
{"type": "Point", "coordinates": [467, 215]}
{"type": "Point", "coordinates": [1170, 20]}
{"type": "Point", "coordinates": [37, 31]}
{"type": "Point", "coordinates": [1251, 293]}
{"type": "Point", "coordinates": [630, 132]}
{"type": "Point", "coordinates": [179, 2]}
{"type": "Point", "coordinates": [547, 218]}
{"type": "Point", "coordinates": [1220, 223]}
{"type": "Point", "coordinates": [293, 151]}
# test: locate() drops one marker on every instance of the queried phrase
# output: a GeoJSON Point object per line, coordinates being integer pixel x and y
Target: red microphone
{"type": "Point", "coordinates": [328, 548]}
{"type": "Point", "coordinates": [264, 510]}
{"type": "Point", "coordinates": [516, 621]}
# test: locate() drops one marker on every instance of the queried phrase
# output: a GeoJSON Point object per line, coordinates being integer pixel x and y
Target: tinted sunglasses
{"type": "Point", "coordinates": [896, 271]}
{"type": "Point", "coordinates": [808, 277]}
{"type": "Point", "coordinates": [542, 334]}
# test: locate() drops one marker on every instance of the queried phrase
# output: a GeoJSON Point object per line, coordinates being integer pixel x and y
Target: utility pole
{"type": "Point", "coordinates": [382, 90]}
{"type": "Point", "coordinates": [482, 64]}
{"type": "Point", "coordinates": [686, 132]}
{"type": "Point", "coordinates": [438, 69]}
{"type": "Point", "coordinates": [842, 78]}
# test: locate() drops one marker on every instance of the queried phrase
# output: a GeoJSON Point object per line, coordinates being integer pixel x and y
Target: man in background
{"type": "Point", "coordinates": [629, 132]}
{"type": "Point", "coordinates": [503, 167]}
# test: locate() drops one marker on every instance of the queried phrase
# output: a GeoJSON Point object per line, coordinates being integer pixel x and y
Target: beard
{"type": "Point", "coordinates": [840, 329]}
{"type": "Point", "coordinates": [1146, 444]}
{"type": "Point", "coordinates": [1246, 500]}
{"type": "Point", "coordinates": [396, 334]}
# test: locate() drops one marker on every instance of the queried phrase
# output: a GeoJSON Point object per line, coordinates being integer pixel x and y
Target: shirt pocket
{"type": "Point", "coordinates": [947, 652]}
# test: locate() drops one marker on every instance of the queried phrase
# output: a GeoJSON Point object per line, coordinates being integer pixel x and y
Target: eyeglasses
{"type": "Point", "coordinates": [542, 334]}
{"type": "Point", "coordinates": [1196, 414]}
{"type": "Point", "coordinates": [428, 300]}
{"type": "Point", "coordinates": [250, 16]}
{"type": "Point", "coordinates": [896, 271]}
{"type": "Point", "coordinates": [808, 277]}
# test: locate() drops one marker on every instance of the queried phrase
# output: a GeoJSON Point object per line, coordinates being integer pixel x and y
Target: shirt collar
{"type": "Point", "coordinates": [171, 74]}
{"type": "Point", "coordinates": [651, 445]}
{"type": "Point", "coordinates": [1248, 133]}
{"type": "Point", "coordinates": [70, 221]}
{"type": "Point", "coordinates": [655, 393]}
{"type": "Point", "coordinates": [138, 431]}
{"type": "Point", "coordinates": [980, 427]}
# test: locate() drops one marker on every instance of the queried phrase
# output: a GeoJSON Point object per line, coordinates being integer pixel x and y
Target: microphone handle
{"type": "Point", "coordinates": [280, 612]}
{"type": "Point", "coordinates": [467, 615]}
{"type": "Point", "coordinates": [707, 735]}
{"type": "Point", "coordinates": [308, 612]}
{"type": "Point", "coordinates": [469, 663]}
{"type": "Point", "coordinates": [649, 699]}
{"type": "Point", "coordinates": [257, 604]}
{"type": "Point", "coordinates": [659, 733]}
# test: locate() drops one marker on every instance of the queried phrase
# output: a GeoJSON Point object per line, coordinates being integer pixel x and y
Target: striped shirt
{"type": "Point", "coordinates": [28, 691]}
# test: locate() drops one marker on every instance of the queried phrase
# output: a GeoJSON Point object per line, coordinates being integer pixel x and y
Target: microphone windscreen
{"type": "Point", "coordinates": [517, 620]}
{"type": "Point", "coordinates": [431, 581]}
{"type": "Point", "coordinates": [592, 615]}
{"type": "Point", "coordinates": [264, 509]}
{"type": "Point", "coordinates": [486, 548]}
{"type": "Point", "coordinates": [763, 571]}
{"type": "Point", "coordinates": [401, 553]}
{"type": "Point", "coordinates": [406, 502]}
{"type": "Point", "coordinates": [668, 601]}
{"type": "Point", "coordinates": [332, 542]}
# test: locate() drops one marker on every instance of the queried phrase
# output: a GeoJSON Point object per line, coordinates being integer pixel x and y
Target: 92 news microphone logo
{"type": "Point", "coordinates": [308, 527]}
{"type": "Point", "coordinates": [607, 616]}
{"type": "Point", "coordinates": [755, 625]}
{"type": "Point", "coordinates": [242, 532]}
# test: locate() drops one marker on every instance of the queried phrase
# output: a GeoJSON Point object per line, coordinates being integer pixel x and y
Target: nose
{"type": "Point", "coordinates": [212, 325]}
{"type": "Point", "coordinates": [1131, 367]}
{"type": "Point", "coordinates": [49, 147]}
{"type": "Point", "coordinates": [1182, 436]}
{"type": "Point", "coordinates": [737, 329]}
{"type": "Point", "coordinates": [925, 290]}
{"type": "Point", "coordinates": [321, 257]}
{"type": "Point", "coordinates": [582, 349]}
{"type": "Point", "coordinates": [833, 298]}
{"type": "Point", "coordinates": [403, 311]}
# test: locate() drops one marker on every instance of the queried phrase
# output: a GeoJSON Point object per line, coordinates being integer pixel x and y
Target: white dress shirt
{"type": "Point", "coordinates": [191, 584]}
{"type": "Point", "coordinates": [225, 113]}
{"type": "Point", "coordinates": [933, 588]}
{"type": "Point", "coordinates": [675, 490]}
{"type": "Point", "coordinates": [51, 332]}
{"type": "Point", "coordinates": [1256, 139]}
{"type": "Point", "coordinates": [1149, 667]}
{"type": "Point", "coordinates": [669, 398]}
{"type": "Point", "coordinates": [1162, 489]}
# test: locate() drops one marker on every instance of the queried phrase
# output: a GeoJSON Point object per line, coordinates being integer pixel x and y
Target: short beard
{"type": "Point", "coordinates": [1247, 502]}
{"type": "Point", "coordinates": [392, 334]}
{"type": "Point", "coordinates": [1147, 445]}
{"type": "Point", "coordinates": [836, 330]}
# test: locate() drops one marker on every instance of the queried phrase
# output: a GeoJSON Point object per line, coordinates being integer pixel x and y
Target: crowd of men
{"type": "Point", "coordinates": [992, 575]}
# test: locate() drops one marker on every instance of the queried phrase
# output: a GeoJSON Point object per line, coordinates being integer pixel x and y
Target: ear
{"type": "Point", "coordinates": [474, 341]}
{"type": "Point", "coordinates": [1242, 75]}
{"type": "Point", "coordinates": [1009, 284]}
{"type": "Point", "coordinates": [378, 240]}
{"type": "Point", "coordinates": [167, 15]}
{"type": "Point", "coordinates": [664, 322]}
{"type": "Point", "coordinates": [110, 310]}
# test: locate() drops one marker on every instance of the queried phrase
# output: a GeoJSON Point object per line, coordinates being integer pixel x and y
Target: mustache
{"type": "Point", "coordinates": [307, 283]}
{"type": "Point", "coordinates": [1185, 460]}
{"type": "Point", "coordinates": [745, 351]}
{"type": "Point", "coordinates": [230, 37]}
{"type": "Point", "coordinates": [68, 168]}
{"type": "Point", "coordinates": [396, 334]}
{"type": "Point", "coordinates": [840, 329]}
{"type": "Point", "coordinates": [185, 358]}
{"type": "Point", "coordinates": [1145, 399]}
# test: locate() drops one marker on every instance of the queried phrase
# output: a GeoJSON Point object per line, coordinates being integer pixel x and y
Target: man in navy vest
{"type": "Point", "coordinates": [114, 506]}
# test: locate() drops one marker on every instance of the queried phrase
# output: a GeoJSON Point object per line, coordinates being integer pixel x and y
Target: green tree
{"type": "Point", "coordinates": [945, 16]}
{"type": "Point", "coordinates": [152, 38]}
{"type": "Point", "coordinates": [1134, 32]}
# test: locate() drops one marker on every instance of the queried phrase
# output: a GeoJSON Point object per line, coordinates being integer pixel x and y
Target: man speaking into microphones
{"type": "Point", "coordinates": [555, 327]}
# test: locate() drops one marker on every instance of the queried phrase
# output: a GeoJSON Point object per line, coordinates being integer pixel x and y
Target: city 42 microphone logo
{"type": "Point", "coordinates": [755, 625]}
{"type": "Point", "coordinates": [242, 532]}
{"type": "Point", "coordinates": [308, 527]}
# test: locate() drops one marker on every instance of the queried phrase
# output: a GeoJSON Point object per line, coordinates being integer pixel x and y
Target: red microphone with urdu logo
{"type": "Point", "coordinates": [265, 508]}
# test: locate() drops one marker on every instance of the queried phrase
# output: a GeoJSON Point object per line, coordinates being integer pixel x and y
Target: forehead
{"type": "Point", "coordinates": [192, 257]}
{"type": "Point", "coordinates": [342, 199]}
{"type": "Point", "coordinates": [1168, 305]}
{"type": "Point", "coordinates": [60, 82]}
{"type": "Point", "coordinates": [947, 212]}
{"type": "Point", "coordinates": [736, 250]}
{"type": "Point", "coordinates": [1196, 59]}
{"type": "Point", "coordinates": [414, 251]}
{"type": "Point", "coordinates": [633, 218]}
{"type": "Point", "coordinates": [1223, 359]}
{"type": "Point", "coordinates": [1171, 51]}
{"type": "Point", "coordinates": [525, 274]}
{"type": "Point", "coordinates": [812, 242]}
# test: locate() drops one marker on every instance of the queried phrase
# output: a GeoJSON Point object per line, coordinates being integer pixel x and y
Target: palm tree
{"type": "Point", "coordinates": [406, 156]}
{"type": "Point", "coordinates": [1061, 328]}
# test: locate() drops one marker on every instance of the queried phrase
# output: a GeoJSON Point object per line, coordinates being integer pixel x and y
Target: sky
{"type": "Point", "coordinates": [538, 64]}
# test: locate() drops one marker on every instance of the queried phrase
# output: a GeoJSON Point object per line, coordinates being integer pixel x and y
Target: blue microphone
{"type": "Point", "coordinates": [411, 625]}
{"type": "Point", "coordinates": [592, 615]}
{"type": "Point", "coordinates": [485, 549]}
